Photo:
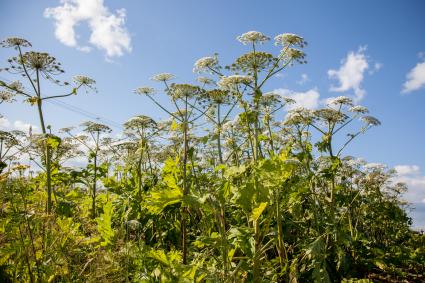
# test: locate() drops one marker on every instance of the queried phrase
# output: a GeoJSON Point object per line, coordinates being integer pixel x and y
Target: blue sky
{"type": "Point", "coordinates": [385, 39]}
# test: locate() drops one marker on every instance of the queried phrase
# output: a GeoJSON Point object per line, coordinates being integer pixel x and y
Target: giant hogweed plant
{"type": "Point", "coordinates": [221, 191]}
{"type": "Point", "coordinates": [34, 67]}
{"type": "Point", "coordinates": [263, 163]}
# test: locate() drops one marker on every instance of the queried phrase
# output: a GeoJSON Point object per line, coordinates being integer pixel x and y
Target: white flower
{"type": "Point", "coordinates": [375, 166]}
{"type": "Point", "coordinates": [252, 37]}
{"type": "Point", "coordinates": [269, 98]}
{"type": "Point", "coordinates": [6, 96]}
{"type": "Point", "coordinates": [162, 77]}
{"type": "Point", "coordinates": [83, 80]}
{"type": "Point", "coordinates": [372, 121]}
{"type": "Point", "coordinates": [287, 39]}
{"type": "Point", "coordinates": [286, 100]}
{"type": "Point", "coordinates": [16, 86]}
{"type": "Point", "coordinates": [299, 115]}
{"type": "Point", "coordinates": [144, 90]}
{"type": "Point", "coordinates": [231, 82]}
{"type": "Point", "coordinates": [205, 64]}
{"type": "Point", "coordinates": [359, 109]}
{"type": "Point", "coordinates": [183, 90]}
{"type": "Point", "coordinates": [293, 54]}
{"type": "Point", "coordinates": [227, 126]}
{"type": "Point", "coordinates": [204, 80]}
{"type": "Point", "coordinates": [355, 162]}
{"type": "Point", "coordinates": [139, 121]}
{"type": "Point", "coordinates": [340, 100]}
{"type": "Point", "coordinates": [15, 42]}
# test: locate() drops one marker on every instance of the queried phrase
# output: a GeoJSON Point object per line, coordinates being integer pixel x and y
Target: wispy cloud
{"type": "Point", "coordinates": [19, 125]}
{"type": "Point", "coordinates": [304, 79]}
{"type": "Point", "coordinates": [415, 79]}
{"type": "Point", "coordinates": [107, 29]}
{"type": "Point", "coordinates": [411, 175]}
{"type": "Point", "coordinates": [308, 99]}
{"type": "Point", "coordinates": [351, 73]}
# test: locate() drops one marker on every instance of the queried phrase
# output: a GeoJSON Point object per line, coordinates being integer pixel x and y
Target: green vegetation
{"type": "Point", "coordinates": [237, 185]}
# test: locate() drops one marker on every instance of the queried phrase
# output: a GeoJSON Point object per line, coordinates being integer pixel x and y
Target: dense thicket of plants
{"type": "Point", "coordinates": [238, 185]}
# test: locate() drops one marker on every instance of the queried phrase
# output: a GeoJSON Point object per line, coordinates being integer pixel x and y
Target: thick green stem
{"type": "Point", "coordinates": [185, 186]}
{"type": "Point", "coordinates": [220, 155]}
{"type": "Point", "coordinates": [94, 187]}
{"type": "Point", "coordinates": [47, 148]}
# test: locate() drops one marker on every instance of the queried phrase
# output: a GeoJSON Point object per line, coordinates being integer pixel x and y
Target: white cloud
{"type": "Point", "coordinates": [108, 31]}
{"type": "Point", "coordinates": [308, 99]}
{"type": "Point", "coordinates": [415, 79]}
{"type": "Point", "coordinates": [407, 169]}
{"type": "Point", "coordinates": [4, 123]}
{"type": "Point", "coordinates": [24, 127]}
{"type": "Point", "coordinates": [376, 67]}
{"type": "Point", "coordinates": [304, 79]}
{"type": "Point", "coordinates": [351, 73]}
{"type": "Point", "coordinates": [411, 175]}
{"type": "Point", "coordinates": [19, 125]}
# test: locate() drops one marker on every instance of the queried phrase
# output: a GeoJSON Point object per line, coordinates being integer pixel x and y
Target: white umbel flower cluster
{"type": "Point", "coordinates": [340, 100]}
{"type": "Point", "coordinates": [253, 37]}
{"type": "Point", "coordinates": [298, 115]}
{"type": "Point", "coordinates": [144, 90]}
{"type": "Point", "coordinates": [231, 82]}
{"type": "Point", "coordinates": [371, 121]}
{"type": "Point", "coordinates": [287, 39]}
{"type": "Point", "coordinates": [205, 80]}
{"type": "Point", "coordinates": [359, 109]}
{"type": "Point", "coordinates": [83, 80]}
{"type": "Point", "coordinates": [162, 77]}
{"type": "Point", "coordinates": [205, 64]}
{"type": "Point", "coordinates": [15, 42]}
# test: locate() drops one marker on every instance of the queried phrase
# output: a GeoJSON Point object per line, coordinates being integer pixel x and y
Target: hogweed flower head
{"type": "Point", "coordinates": [227, 126]}
{"type": "Point", "coordinates": [252, 37]}
{"type": "Point", "coordinates": [375, 166]}
{"type": "Point", "coordinates": [140, 121]}
{"type": "Point", "coordinates": [205, 80]}
{"type": "Point", "coordinates": [15, 42]}
{"type": "Point", "coordinates": [40, 61]}
{"type": "Point", "coordinates": [371, 121]}
{"type": "Point", "coordinates": [269, 99]}
{"type": "Point", "coordinates": [359, 109]}
{"type": "Point", "coordinates": [8, 138]}
{"type": "Point", "coordinates": [183, 90]}
{"type": "Point", "coordinates": [145, 90]}
{"type": "Point", "coordinates": [288, 39]}
{"type": "Point", "coordinates": [205, 64]}
{"type": "Point", "coordinates": [299, 115]}
{"type": "Point", "coordinates": [218, 96]}
{"type": "Point", "coordinates": [163, 77]}
{"type": "Point", "coordinates": [92, 127]}
{"type": "Point", "coordinates": [340, 100]}
{"type": "Point", "coordinates": [66, 129]}
{"type": "Point", "coordinates": [16, 86]}
{"type": "Point", "coordinates": [83, 80]}
{"type": "Point", "coordinates": [330, 115]}
{"type": "Point", "coordinates": [293, 54]}
{"type": "Point", "coordinates": [231, 82]}
{"type": "Point", "coordinates": [253, 60]}
{"type": "Point", "coordinates": [6, 96]}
